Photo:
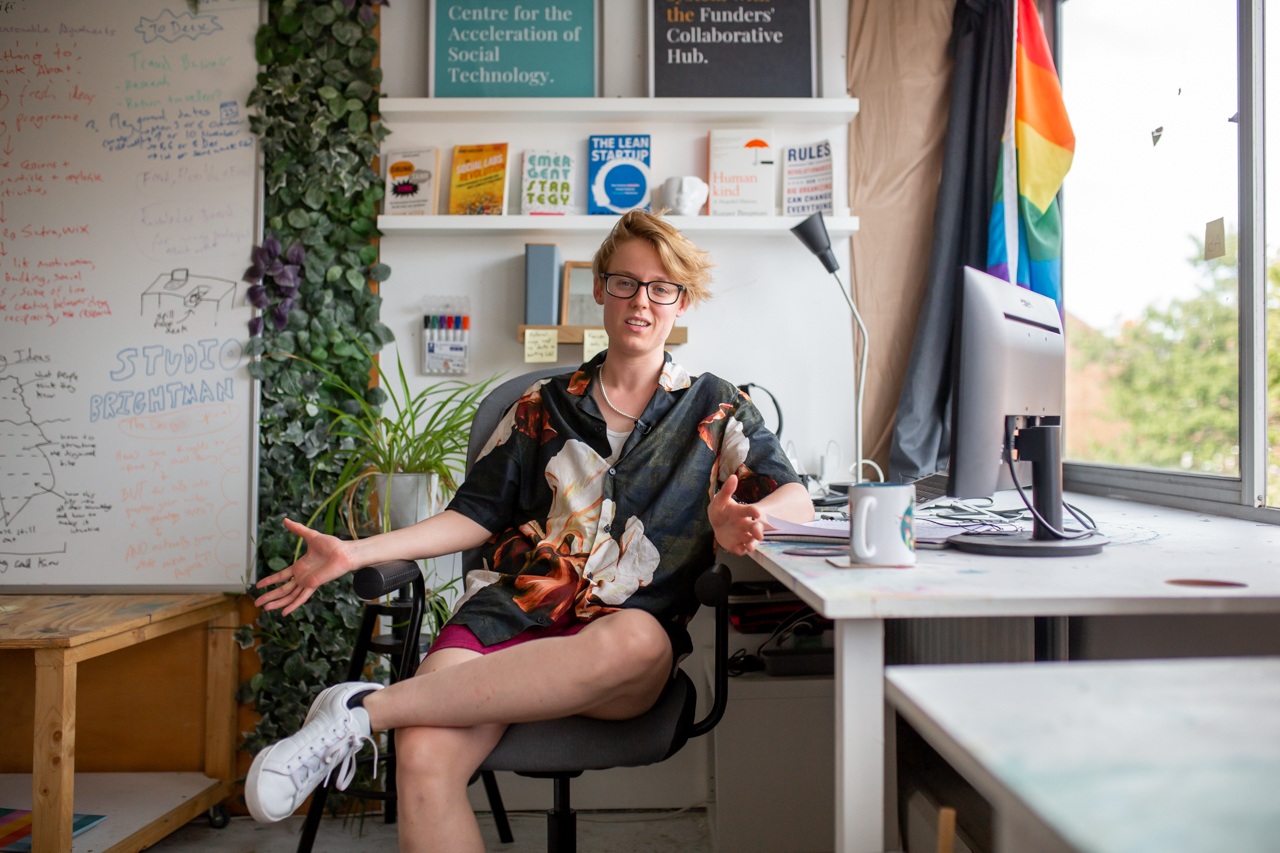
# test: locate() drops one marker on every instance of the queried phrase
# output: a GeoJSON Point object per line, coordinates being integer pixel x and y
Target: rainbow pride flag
{"type": "Point", "coordinates": [1035, 155]}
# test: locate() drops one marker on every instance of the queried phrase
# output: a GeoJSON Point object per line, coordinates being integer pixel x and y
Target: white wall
{"type": "Point", "coordinates": [775, 320]}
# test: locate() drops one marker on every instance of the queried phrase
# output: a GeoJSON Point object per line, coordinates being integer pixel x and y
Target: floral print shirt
{"type": "Point", "coordinates": [573, 532]}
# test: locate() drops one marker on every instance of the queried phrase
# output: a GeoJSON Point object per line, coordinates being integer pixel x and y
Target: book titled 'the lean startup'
{"type": "Point", "coordinates": [618, 173]}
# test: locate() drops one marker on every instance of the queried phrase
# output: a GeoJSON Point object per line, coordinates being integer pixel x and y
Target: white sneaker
{"type": "Point", "coordinates": [285, 773]}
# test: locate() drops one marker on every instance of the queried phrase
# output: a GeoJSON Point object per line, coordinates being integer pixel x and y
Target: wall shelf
{"type": "Point", "coordinates": [449, 226]}
{"type": "Point", "coordinates": [747, 111]}
{"type": "Point", "coordinates": [573, 334]}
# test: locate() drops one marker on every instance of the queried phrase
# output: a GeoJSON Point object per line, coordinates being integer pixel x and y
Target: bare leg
{"type": "Point", "coordinates": [615, 668]}
{"type": "Point", "coordinates": [446, 725]}
{"type": "Point", "coordinates": [433, 766]}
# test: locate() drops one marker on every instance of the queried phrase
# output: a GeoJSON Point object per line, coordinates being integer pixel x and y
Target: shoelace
{"type": "Point", "coordinates": [349, 743]}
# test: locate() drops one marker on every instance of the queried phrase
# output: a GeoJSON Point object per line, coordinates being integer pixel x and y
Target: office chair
{"type": "Point", "coordinates": [561, 749]}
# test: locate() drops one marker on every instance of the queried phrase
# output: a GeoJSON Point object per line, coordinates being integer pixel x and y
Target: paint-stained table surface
{"type": "Point", "coordinates": [60, 631]}
{"type": "Point", "coordinates": [1176, 756]}
{"type": "Point", "coordinates": [62, 621]}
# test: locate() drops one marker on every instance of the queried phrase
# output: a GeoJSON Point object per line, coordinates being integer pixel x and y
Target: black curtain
{"type": "Point", "coordinates": [982, 50]}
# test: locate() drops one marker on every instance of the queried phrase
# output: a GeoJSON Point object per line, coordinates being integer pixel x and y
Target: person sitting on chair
{"type": "Point", "coordinates": [597, 501]}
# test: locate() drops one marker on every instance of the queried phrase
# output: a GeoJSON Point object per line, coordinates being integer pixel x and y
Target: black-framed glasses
{"type": "Point", "coordinates": [625, 287]}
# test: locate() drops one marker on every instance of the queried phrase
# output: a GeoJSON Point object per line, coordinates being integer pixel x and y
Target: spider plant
{"type": "Point", "coordinates": [423, 433]}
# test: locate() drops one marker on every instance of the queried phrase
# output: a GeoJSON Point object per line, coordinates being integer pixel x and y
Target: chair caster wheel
{"type": "Point", "coordinates": [219, 816]}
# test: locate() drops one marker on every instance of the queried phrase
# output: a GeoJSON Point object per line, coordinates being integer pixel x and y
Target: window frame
{"type": "Point", "coordinates": [1243, 496]}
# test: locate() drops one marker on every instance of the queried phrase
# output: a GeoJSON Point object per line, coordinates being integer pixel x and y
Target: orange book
{"type": "Point", "coordinates": [478, 182]}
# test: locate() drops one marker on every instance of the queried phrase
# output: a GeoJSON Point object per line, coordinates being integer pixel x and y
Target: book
{"type": "Point", "coordinates": [546, 183]}
{"type": "Point", "coordinates": [618, 173]}
{"type": "Point", "coordinates": [541, 284]}
{"type": "Point", "coordinates": [15, 828]}
{"type": "Point", "coordinates": [807, 179]}
{"type": "Point", "coordinates": [478, 180]}
{"type": "Point", "coordinates": [743, 173]}
{"type": "Point", "coordinates": [412, 187]}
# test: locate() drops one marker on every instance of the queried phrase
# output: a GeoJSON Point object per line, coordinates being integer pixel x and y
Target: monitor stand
{"type": "Point", "coordinates": [1042, 447]}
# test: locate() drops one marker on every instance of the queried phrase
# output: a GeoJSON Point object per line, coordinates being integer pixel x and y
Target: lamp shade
{"type": "Point", "coordinates": [813, 233]}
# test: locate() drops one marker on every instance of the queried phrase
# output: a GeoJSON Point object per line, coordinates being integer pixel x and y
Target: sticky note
{"type": "Point", "coordinates": [1215, 239]}
{"type": "Point", "coordinates": [540, 345]}
{"type": "Point", "coordinates": [593, 341]}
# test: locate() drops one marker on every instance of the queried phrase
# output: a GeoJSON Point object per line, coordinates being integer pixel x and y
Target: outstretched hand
{"type": "Point", "coordinates": [739, 527]}
{"type": "Point", "coordinates": [326, 558]}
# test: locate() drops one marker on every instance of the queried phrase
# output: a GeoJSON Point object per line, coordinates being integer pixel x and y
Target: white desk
{"type": "Point", "coordinates": [1150, 547]}
{"type": "Point", "coordinates": [1116, 757]}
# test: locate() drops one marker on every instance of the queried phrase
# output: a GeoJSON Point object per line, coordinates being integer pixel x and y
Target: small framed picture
{"type": "Point", "coordinates": [577, 296]}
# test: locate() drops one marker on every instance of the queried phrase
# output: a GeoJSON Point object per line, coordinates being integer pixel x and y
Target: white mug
{"type": "Point", "coordinates": [685, 195]}
{"type": "Point", "coordinates": [882, 524]}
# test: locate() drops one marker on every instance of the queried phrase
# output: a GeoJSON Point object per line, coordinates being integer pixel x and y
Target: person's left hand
{"type": "Point", "coordinates": [739, 527]}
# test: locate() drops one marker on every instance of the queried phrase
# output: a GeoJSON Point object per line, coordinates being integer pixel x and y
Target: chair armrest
{"type": "Point", "coordinates": [382, 578]}
{"type": "Point", "coordinates": [712, 589]}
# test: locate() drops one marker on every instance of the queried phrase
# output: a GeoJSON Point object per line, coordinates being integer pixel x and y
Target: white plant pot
{"type": "Point", "coordinates": [413, 497]}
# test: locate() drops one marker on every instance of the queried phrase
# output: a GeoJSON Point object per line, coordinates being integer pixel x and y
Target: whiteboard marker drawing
{"type": "Point", "coordinates": [176, 296]}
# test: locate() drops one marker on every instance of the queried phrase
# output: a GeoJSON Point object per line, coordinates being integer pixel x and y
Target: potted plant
{"type": "Point", "coordinates": [412, 449]}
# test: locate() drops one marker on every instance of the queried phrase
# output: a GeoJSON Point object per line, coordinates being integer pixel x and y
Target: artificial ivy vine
{"type": "Point", "coordinates": [316, 101]}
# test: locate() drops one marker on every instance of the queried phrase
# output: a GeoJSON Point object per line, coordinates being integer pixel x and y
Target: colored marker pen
{"type": "Point", "coordinates": [466, 328]}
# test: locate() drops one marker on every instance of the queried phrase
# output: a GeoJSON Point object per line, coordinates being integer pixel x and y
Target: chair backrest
{"type": "Point", "coordinates": [489, 413]}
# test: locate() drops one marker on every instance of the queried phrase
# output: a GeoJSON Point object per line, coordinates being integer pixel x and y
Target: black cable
{"type": "Point", "coordinates": [1038, 517]}
{"type": "Point", "coordinates": [745, 388]}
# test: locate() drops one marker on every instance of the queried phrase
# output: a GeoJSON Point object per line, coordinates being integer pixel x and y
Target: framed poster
{"type": "Point", "coordinates": [733, 49]}
{"type": "Point", "coordinates": [513, 49]}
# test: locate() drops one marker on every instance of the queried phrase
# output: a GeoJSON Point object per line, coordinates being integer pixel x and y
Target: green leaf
{"type": "Point", "coordinates": [358, 121]}
{"type": "Point", "coordinates": [327, 92]}
{"type": "Point", "coordinates": [368, 254]}
{"type": "Point", "coordinates": [362, 227]}
{"type": "Point", "coordinates": [323, 15]}
{"type": "Point", "coordinates": [359, 89]}
{"type": "Point", "coordinates": [355, 279]}
{"type": "Point", "coordinates": [314, 198]}
{"type": "Point", "coordinates": [338, 107]}
{"type": "Point", "coordinates": [289, 24]}
{"type": "Point", "coordinates": [319, 354]}
{"type": "Point", "coordinates": [380, 272]}
{"type": "Point", "coordinates": [385, 335]}
{"type": "Point", "coordinates": [346, 32]}
{"type": "Point", "coordinates": [333, 274]}
{"type": "Point", "coordinates": [298, 218]}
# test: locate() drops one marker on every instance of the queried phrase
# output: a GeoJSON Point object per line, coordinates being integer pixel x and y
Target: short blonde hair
{"type": "Point", "coordinates": [684, 262]}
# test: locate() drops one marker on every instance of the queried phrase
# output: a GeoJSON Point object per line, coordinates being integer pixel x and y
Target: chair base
{"type": "Point", "coordinates": [562, 821]}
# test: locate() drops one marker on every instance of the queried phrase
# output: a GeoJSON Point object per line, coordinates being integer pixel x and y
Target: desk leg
{"type": "Point", "coordinates": [220, 704]}
{"type": "Point", "coordinates": [860, 767]}
{"type": "Point", "coordinates": [53, 762]}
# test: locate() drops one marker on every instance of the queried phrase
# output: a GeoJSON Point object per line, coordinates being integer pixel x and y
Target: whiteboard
{"type": "Point", "coordinates": [127, 215]}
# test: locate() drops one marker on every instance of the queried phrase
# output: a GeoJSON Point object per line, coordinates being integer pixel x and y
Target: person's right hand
{"type": "Point", "coordinates": [326, 558]}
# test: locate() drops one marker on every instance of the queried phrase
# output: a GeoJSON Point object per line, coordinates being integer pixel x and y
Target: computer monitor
{"type": "Point", "coordinates": [1008, 402]}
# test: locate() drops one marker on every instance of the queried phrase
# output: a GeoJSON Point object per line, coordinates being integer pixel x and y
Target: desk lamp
{"type": "Point", "coordinates": [813, 233]}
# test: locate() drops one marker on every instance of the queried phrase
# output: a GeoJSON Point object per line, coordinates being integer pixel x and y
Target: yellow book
{"type": "Point", "coordinates": [478, 180]}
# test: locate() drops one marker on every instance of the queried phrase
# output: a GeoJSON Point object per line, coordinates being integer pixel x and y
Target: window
{"type": "Point", "coordinates": [1163, 260]}
{"type": "Point", "coordinates": [1150, 86]}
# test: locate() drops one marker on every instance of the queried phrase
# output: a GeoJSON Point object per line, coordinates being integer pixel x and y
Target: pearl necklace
{"type": "Point", "coordinates": [607, 401]}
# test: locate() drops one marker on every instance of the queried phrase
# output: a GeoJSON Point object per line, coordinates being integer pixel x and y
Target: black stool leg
{"type": "Point", "coordinates": [358, 655]}
{"type": "Point", "coordinates": [314, 814]}
{"type": "Point", "coordinates": [495, 804]}
{"type": "Point", "coordinates": [389, 810]}
{"type": "Point", "coordinates": [562, 821]}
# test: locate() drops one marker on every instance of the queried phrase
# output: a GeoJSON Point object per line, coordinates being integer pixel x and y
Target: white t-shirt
{"type": "Point", "coordinates": [616, 440]}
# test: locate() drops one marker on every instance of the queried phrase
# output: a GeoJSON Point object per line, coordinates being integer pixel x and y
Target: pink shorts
{"type": "Point", "coordinates": [461, 637]}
